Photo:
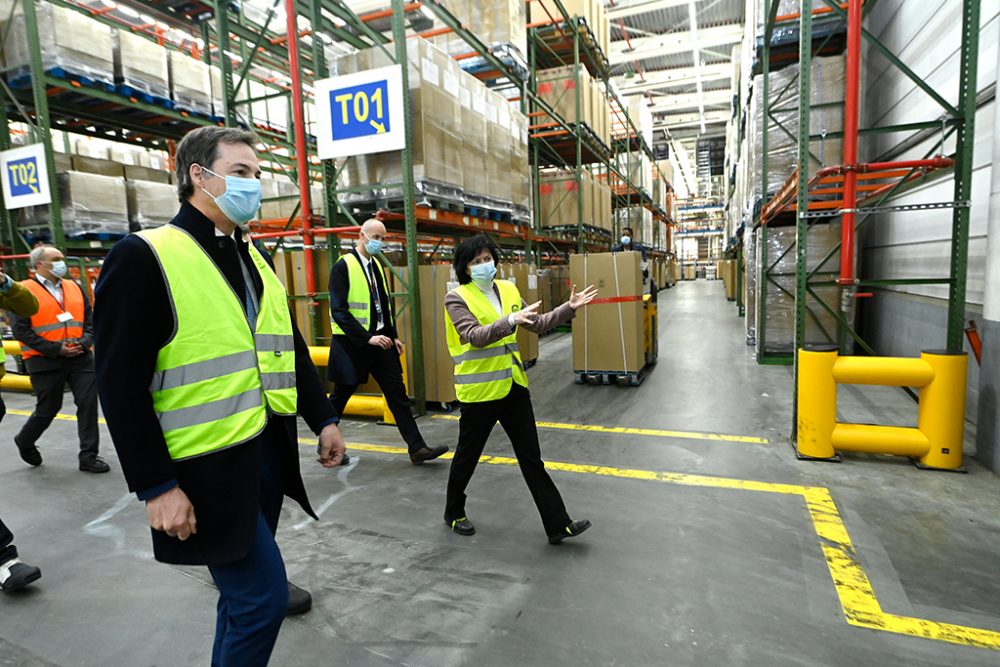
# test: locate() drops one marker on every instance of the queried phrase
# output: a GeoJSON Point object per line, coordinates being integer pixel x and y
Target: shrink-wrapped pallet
{"type": "Point", "coordinates": [499, 24]}
{"type": "Point", "coordinates": [776, 329]}
{"type": "Point", "coordinates": [190, 83]}
{"type": "Point", "coordinates": [89, 204]}
{"type": "Point", "coordinates": [141, 64]}
{"type": "Point", "coordinates": [827, 81]}
{"type": "Point", "coordinates": [150, 204]}
{"type": "Point", "coordinates": [68, 40]}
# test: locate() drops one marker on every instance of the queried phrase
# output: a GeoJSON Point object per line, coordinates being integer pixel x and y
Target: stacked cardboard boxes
{"type": "Point", "coordinates": [500, 24]}
{"type": "Point", "coordinates": [609, 335]}
{"type": "Point", "coordinates": [561, 86]}
{"type": "Point", "coordinates": [88, 203]}
{"type": "Point", "coordinates": [150, 204]}
{"type": "Point", "coordinates": [525, 276]}
{"type": "Point", "coordinates": [562, 198]}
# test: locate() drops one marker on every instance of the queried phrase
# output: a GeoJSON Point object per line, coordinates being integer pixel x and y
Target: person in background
{"type": "Point", "coordinates": [628, 243]}
{"type": "Point", "coordinates": [204, 375]}
{"type": "Point", "coordinates": [57, 347]}
{"type": "Point", "coordinates": [365, 341]}
{"type": "Point", "coordinates": [481, 320]}
{"type": "Point", "coordinates": [14, 574]}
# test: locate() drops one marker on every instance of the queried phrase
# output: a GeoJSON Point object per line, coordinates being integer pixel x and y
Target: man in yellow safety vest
{"type": "Point", "coordinates": [201, 372]}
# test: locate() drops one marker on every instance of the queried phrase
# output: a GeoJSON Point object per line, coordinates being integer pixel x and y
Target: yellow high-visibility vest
{"type": "Point", "coordinates": [359, 295]}
{"type": "Point", "coordinates": [216, 379]}
{"type": "Point", "coordinates": [486, 373]}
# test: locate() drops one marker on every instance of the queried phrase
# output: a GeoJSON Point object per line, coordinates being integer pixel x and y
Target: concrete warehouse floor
{"type": "Point", "coordinates": [692, 569]}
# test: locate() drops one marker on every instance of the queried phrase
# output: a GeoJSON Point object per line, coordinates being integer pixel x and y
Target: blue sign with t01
{"type": "Point", "coordinates": [360, 113]}
{"type": "Point", "coordinates": [25, 177]}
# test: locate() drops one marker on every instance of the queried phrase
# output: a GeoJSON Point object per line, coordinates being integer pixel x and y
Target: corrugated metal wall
{"type": "Point", "coordinates": [926, 35]}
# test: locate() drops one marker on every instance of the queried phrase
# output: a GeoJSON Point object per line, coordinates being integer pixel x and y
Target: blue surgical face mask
{"type": "Point", "coordinates": [59, 269]}
{"type": "Point", "coordinates": [626, 240]}
{"type": "Point", "coordinates": [373, 246]}
{"type": "Point", "coordinates": [482, 274]}
{"type": "Point", "coordinates": [241, 200]}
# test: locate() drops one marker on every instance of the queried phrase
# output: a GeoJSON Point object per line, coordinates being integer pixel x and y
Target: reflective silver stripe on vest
{"type": "Point", "coordinates": [475, 378]}
{"type": "Point", "coordinates": [274, 343]}
{"type": "Point", "coordinates": [358, 306]}
{"type": "Point", "coordinates": [198, 371]}
{"type": "Point", "coordinates": [57, 325]}
{"type": "Point", "coordinates": [281, 380]}
{"type": "Point", "coordinates": [210, 412]}
{"type": "Point", "coordinates": [487, 353]}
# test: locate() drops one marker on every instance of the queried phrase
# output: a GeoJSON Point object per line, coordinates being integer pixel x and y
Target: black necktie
{"type": "Point", "coordinates": [375, 293]}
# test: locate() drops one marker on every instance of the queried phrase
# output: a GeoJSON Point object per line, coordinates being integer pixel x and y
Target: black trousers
{"type": "Point", "coordinates": [515, 414]}
{"type": "Point", "coordinates": [7, 549]}
{"type": "Point", "coordinates": [49, 385]}
{"type": "Point", "coordinates": [388, 372]}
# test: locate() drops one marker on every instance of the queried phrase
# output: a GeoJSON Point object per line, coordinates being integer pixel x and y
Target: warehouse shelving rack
{"type": "Point", "coordinates": [834, 191]}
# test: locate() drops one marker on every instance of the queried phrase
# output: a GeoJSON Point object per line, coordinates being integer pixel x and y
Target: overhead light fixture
{"type": "Point", "coordinates": [693, 18]}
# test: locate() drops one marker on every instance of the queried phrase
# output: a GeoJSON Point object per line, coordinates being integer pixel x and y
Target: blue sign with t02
{"type": "Point", "coordinates": [360, 111]}
{"type": "Point", "coordinates": [23, 175]}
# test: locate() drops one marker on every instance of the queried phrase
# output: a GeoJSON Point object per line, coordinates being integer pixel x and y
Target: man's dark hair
{"type": "Point", "coordinates": [627, 229]}
{"type": "Point", "coordinates": [201, 147]}
{"type": "Point", "coordinates": [467, 251]}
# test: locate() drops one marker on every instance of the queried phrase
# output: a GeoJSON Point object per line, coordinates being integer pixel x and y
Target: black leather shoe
{"type": "Point", "coordinates": [29, 454]}
{"type": "Point", "coordinates": [346, 460]}
{"type": "Point", "coordinates": [299, 600]}
{"type": "Point", "coordinates": [15, 575]}
{"type": "Point", "coordinates": [572, 530]}
{"type": "Point", "coordinates": [421, 456]}
{"type": "Point", "coordinates": [461, 526]}
{"type": "Point", "coordinates": [95, 464]}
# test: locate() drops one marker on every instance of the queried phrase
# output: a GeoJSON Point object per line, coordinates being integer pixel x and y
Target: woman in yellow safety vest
{"type": "Point", "coordinates": [481, 319]}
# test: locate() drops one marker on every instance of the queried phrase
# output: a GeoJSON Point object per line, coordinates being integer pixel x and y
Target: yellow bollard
{"type": "Point", "coordinates": [895, 440]}
{"type": "Point", "coordinates": [359, 406]}
{"type": "Point", "coordinates": [817, 402]}
{"type": "Point", "coordinates": [941, 415]}
{"type": "Point", "coordinates": [884, 371]}
{"type": "Point", "coordinates": [13, 382]}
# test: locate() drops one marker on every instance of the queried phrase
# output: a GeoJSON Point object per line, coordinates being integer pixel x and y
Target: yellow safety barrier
{"type": "Point", "coordinates": [360, 406]}
{"type": "Point", "coordinates": [936, 442]}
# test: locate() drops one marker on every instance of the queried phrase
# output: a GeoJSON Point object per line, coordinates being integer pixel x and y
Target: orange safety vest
{"type": "Point", "coordinates": [46, 321]}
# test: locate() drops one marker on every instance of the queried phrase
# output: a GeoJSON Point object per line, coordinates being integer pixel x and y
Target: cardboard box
{"type": "Point", "coordinates": [90, 165]}
{"type": "Point", "coordinates": [609, 336]}
{"type": "Point", "coordinates": [526, 279]}
{"type": "Point", "coordinates": [436, 281]}
{"type": "Point", "coordinates": [68, 40]}
{"type": "Point", "coordinates": [138, 173]}
{"type": "Point", "coordinates": [190, 85]}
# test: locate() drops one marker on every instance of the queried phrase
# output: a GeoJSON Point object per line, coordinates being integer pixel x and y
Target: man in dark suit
{"type": "Point", "coordinates": [365, 341]}
{"type": "Point", "coordinates": [213, 499]}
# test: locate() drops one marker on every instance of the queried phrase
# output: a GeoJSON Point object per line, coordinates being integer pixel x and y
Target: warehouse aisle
{"type": "Point", "coordinates": [694, 567]}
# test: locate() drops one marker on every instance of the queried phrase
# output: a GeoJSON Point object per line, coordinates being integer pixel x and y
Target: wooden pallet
{"type": "Point", "coordinates": [630, 378]}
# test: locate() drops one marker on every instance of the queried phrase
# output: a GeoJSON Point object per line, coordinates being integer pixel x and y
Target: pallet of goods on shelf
{"type": "Point", "coordinates": [592, 12]}
{"type": "Point", "coordinates": [190, 86]}
{"type": "Point", "coordinates": [827, 81]}
{"type": "Point", "coordinates": [141, 68]}
{"type": "Point", "coordinates": [469, 143]}
{"type": "Point", "coordinates": [635, 165]}
{"type": "Point", "coordinates": [500, 25]}
{"type": "Point", "coordinates": [91, 206]}
{"type": "Point", "coordinates": [73, 47]}
{"type": "Point", "coordinates": [562, 198]}
{"type": "Point", "coordinates": [777, 327]}
{"type": "Point", "coordinates": [150, 204]}
{"type": "Point", "coordinates": [608, 337]}
{"type": "Point", "coordinates": [559, 87]}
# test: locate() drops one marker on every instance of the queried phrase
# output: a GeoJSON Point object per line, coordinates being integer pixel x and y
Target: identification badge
{"type": "Point", "coordinates": [64, 317]}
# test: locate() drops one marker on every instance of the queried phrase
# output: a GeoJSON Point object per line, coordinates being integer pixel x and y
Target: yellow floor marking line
{"type": "Point", "coordinates": [60, 416]}
{"type": "Point", "coordinates": [655, 432]}
{"type": "Point", "coordinates": [857, 596]}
